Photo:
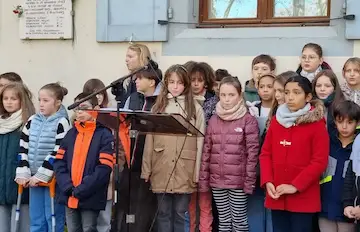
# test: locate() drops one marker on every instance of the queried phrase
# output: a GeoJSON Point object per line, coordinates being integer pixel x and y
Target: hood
{"type": "Point", "coordinates": [250, 86]}
{"type": "Point", "coordinates": [157, 89]}
{"type": "Point", "coordinates": [61, 113]}
{"type": "Point", "coordinates": [253, 108]}
{"type": "Point", "coordinates": [316, 113]}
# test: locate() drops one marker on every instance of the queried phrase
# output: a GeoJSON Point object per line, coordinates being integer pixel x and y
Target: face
{"type": "Point", "coordinates": [11, 101]}
{"type": "Point", "coordinates": [100, 98]}
{"type": "Point", "coordinates": [175, 85]}
{"type": "Point", "coordinates": [310, 61]}
{"type": "Point", "coordinates": [279, 93]}
{"type": "Point", "coordinates": [266, 88]}
{"type": "Point", "coordinates": [216, 87]}
{"type": "Point", "coordinates": [259, 70]}
{"type": "Point", "coordinates": [81, 114]}
{"type": "Point", "coordinates": [352, 74]}
{"type": "Point", "coordinates": [3, 83]}
{"type": "Point", "coordinates": [229, 96]}
{"type": "Point", "coordinates": [197, 83]}
{"type": "Point", "coordinates": [143, 84]}
{"type": "Point", "coordinates": [132, 60]}
{"type": "Point", "coordinates": [346, 127]}
{"type": "Point", "coordinates": [323, 87]}
{"type": "Point", "coordinates": [295, 97]}
{"type": "Point", "coordinates": [48, 104]}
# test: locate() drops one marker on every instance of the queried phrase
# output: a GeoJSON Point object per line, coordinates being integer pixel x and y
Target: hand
{"type": "Point", "coordinates": [22, 181]}
{"type": "Point", "coordinates": [285, 189]}
{"type": "Point", "coordinates": [270, 188]}
{"type": "Point", "coordinates": [348, 211]}
{"type": "Point", "coordinates": [356, 212]}
{"type": "Point", "coordinates": [33, 182]}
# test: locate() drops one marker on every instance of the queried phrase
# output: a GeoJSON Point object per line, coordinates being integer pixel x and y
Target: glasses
{"type": "Point", "coordinates": [82, 108]}
{"type": "Point", "coordinates": [311, 58]}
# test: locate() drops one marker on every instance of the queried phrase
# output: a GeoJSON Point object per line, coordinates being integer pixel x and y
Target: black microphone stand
{"type": "Point", "coordinates": [117, 90]}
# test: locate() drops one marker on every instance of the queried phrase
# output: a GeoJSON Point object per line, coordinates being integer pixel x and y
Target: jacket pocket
{"type": "Point", "coordinates": [187, 162]}
{"type": "Point", "coordinates": [157, 159]}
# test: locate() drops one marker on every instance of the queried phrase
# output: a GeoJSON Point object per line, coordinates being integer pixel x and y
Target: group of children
{"type": "Point", "coordinates": [281, 156]}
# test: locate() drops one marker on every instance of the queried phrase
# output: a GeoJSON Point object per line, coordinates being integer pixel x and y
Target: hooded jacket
{"type": "Point", "coordinates": [162, 151]}
{"type": "Point", "coordinates": [83, 166]}
{"type": "Point", "coordinates": [298, 156]}
{"type": "Point", "coordinates": [251, 93]}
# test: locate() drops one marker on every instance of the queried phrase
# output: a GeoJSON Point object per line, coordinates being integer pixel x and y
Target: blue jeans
{"type": "Point", "coordinates": [172, 209]}
{"type": "Point", "coordinates": [40, 211]}
{"type": "Point", "coordinates": [187, 222]}
{"type": "Point", "coordinates": [259, 218]}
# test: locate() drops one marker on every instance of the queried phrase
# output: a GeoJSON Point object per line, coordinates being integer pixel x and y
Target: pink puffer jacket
{"type": "Point", "coordinates": [230, 154]}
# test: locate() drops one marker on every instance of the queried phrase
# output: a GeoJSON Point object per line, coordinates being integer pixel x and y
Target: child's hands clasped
{"type": "Point", "coordinates": [275, 193]}
{"type": "Point", "coordinates": [352, 212]}
{"type": "Point", "coordinates": [33, 182]}
{"type": "Point", "coordinates": [23, 182]}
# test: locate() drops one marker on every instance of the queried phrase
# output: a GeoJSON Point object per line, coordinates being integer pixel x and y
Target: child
{"type": "Point", "coordinates": [293, 157]}
{"type": "Point", "coordinates": [104, 219]}
{"type": "Point", "coordinates": [142, 201]}
{"type": "Point", "coordinates": [261, 109]}
{"type": "Point", "coordinates": [40, 140]}
{"type": "Point", "coordinates": [311, 62]}
{"type": "Point", "coordinates": [171, 162]}
{"type": "Point", "coordinates": [351, 73]}
{"type": "Point", "coordinates": [83, 166]}
{"type": "Point", "coordinates": [94, 85]}
{"type": "Point", "coordinates": [137, 56]}
{"type": "Point", "coordinates": [15, 109]}
{"type": "Point", "coordinates": [11, 77]}
{"type": "Point", "coordinates": [219, 75]}
{"type": "Point", "coordinates": [279, 95]}
{"type": "Point", "coordinates": [202, 81]}
{"type": "Point", "coordinates": [230, 155]}
{"type": "Point", "coordinates": [331, 217]}
{"type": "Point", "coordinates": [261, 65]}
{"type": "Point", "coordinates": [326, 87]}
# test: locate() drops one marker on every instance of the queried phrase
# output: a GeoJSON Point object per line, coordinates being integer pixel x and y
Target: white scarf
{"type": "Point", "coordinates": [310, 75]}
{"type": "Point", "coordinates": [11, 123]}
{"type": "Point", "coordinates": [287, 118]}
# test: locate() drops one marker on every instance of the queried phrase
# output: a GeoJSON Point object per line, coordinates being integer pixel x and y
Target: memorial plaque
{"type": "Point", "coordinates": [46, 19]}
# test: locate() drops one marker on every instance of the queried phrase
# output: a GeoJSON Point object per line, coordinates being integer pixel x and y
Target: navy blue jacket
{"type": "Point", "coordinates": [83, 166]}
{"type": "Point", "coordinates": [332, 182]}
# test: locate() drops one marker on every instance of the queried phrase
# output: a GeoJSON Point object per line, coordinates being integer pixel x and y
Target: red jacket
{"type": "Point", "coordinates": [298, 156]}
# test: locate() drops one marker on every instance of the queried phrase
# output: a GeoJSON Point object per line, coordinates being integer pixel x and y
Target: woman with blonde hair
{"type": "Point", "coordinates": [137, 56]}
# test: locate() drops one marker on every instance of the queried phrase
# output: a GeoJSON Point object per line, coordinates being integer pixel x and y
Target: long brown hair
{"type": "Point", "coordinates": [281, 79]}
{"type": "Point", "coordinates": [339, 96]}
{"type": "Point", "coordinates": [94, 85]}
{"type": "Point", "coordinates": [162, 100]}
{"type": "Point", "coordinates": [26, 104]}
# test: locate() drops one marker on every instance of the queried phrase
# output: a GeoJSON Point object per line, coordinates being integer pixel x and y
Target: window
{"type": "Point", "coordinates": [264, 12]}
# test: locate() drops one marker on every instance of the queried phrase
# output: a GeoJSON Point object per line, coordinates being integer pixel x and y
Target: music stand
{"type": "Point", "coordinates": [145, 123]}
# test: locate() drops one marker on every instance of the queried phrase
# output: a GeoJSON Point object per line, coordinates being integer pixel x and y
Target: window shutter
{"type": "Point", "coordinates": [131, 20]}
{"type": "Point", "coordinates": [352, 27]}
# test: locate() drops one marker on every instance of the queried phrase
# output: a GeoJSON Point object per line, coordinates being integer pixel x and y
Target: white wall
{"type": "Point", "coordinates": [72, 63]}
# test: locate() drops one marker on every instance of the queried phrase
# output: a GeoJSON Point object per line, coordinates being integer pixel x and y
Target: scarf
{"type": "Point", "coordinates": [352, 95]}
{"type": "Point", "coordinates": [287, 118]}
{"type": "Point", "coordinates": [11, 123]}
{"type": "Point", "coordinates": [310, 75]}
{"type": "Point", "coordinates": [238, 111]}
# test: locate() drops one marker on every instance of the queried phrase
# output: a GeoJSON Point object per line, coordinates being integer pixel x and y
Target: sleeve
{"type": "Point", "coordinates": [265, 159]}
{"type": "Point", "coordinates": [348, 196]}
{"type": "Point", "coordinates": [320, 153]}
{"type": "Point", "coordinates": [209, 108]}
{"type": "Point", "coordinates": [252, 150]}
{"type": "Point", "coordinates": [127, 104]}
{"type": "Point", "coordinates": [148, 151]}
{"type": "Point", "coordinates": [23, 168]}
{"type": "Point", "coordinates": [46, 171]}
{"type": "Point", "coordinates": [103, 169]}
{"type": "Point", "coordinates": [204, 177]}
{"type": "Point", "coordinates": [200, 125]}
{"type": "Point", "coordinates": [62, 173]}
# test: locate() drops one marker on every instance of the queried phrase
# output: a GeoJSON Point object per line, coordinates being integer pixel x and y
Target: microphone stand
{"type": "Point", "coordinates": [117, 90]}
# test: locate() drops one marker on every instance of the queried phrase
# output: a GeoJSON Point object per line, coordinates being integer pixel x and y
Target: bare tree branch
{"type": "Point", "coordinates": [228, 8]}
